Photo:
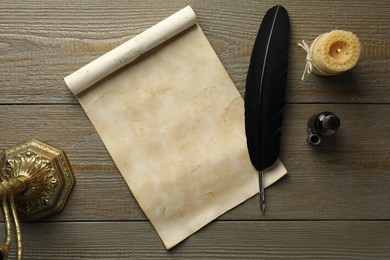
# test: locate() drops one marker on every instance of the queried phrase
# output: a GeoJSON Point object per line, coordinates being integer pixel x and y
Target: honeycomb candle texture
{"type": "Point", "coordinates": [332, 53]}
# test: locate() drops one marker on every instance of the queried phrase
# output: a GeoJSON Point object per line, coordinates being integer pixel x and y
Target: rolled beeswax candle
{"type": "Point", "coordinates": [332, 53]}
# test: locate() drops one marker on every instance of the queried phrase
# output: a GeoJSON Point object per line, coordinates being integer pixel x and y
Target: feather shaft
{"type": "Point", "coordinates": [265, 91]}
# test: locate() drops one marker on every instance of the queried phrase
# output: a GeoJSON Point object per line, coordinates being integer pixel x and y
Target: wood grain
{"type": "Point", "coordinates": [341, 179]}
{"type": "Point", "coordinates": [42, 42]}
{"type": "Point", "coordinates": [334, 202]}
{"type": "Point", "coordinates": [219, 240]}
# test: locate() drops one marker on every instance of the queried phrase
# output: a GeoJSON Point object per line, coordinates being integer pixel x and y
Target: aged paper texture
{"type": "Point", "coordinates": [173, 122]}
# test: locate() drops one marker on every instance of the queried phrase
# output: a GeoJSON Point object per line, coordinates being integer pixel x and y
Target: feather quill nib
{"type": "Point", "coordinates": [262, 193]}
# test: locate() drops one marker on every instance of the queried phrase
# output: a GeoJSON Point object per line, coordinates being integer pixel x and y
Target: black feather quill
{"type": "Point", "coordinates": [265, 91]}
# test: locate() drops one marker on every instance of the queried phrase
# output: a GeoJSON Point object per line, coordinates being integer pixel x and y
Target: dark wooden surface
{"type": "Point", "coordinates": [334, 202]}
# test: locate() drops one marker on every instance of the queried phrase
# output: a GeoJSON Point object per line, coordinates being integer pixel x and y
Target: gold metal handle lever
{"type": "Point", "coordinates": [5, 248]}
{"type": "Point", "coordinates": [35, 180]}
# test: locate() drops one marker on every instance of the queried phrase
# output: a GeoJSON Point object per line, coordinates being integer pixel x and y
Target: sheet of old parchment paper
{"type": "Point", "coordinates": [173, 122]}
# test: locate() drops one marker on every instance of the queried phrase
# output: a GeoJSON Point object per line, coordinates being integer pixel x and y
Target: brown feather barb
{"type": "Point", "coordinates": [265, 91]}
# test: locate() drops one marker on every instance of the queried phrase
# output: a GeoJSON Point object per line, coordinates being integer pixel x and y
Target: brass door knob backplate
{"type": "Point", "coordinates": [36, 180]}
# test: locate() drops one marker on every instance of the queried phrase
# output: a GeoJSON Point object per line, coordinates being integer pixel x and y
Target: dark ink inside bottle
{"type": "Point", "coordinates": [322, 124]}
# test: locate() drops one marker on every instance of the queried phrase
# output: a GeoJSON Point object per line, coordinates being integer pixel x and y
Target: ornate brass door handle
{"type": "Point", "coordinates": [35, 182]}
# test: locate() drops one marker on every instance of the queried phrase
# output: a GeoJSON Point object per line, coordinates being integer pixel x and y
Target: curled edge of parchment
{"type": "Point", "coordinates": [127, 52]}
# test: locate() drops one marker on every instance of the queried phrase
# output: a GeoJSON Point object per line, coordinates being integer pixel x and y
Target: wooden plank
{"type": "Point", "coordinates": [344, 178]}
{"type": "Point", "coordinates": [333, 204]}
{"type": "Point", "coordinates": [219, 240]}
{"type": "Point", "coordinates": [41, 42]}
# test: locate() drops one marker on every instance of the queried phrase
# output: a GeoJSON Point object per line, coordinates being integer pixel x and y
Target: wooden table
{"type": "Point", "coordinates": [334, 202]}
